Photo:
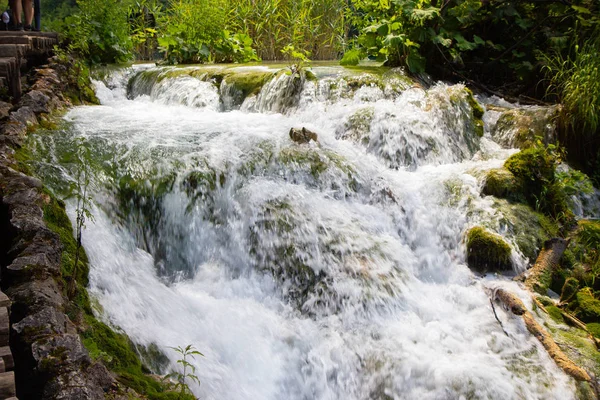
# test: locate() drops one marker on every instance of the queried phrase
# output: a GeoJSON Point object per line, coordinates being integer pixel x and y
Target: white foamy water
{"type": "Point", "coordinates": [317, 271]}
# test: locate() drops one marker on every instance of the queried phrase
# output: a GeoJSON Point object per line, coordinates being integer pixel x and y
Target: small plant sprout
{"type": "Point", "coordinates": [189, 371]}
{"type": "Point", "coordinates": [297, 59]}
{"type": "Point", "coordinates": [79, 189]}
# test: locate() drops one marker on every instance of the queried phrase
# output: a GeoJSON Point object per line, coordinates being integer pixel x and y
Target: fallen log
{"type": "Point", "coordinates": [516, 306]}
{"type": "Point", "coordinates": [539, 276]}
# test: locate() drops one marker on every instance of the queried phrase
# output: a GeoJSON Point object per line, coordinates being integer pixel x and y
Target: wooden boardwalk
{"type": "Point", "coordinates": [16, 49]}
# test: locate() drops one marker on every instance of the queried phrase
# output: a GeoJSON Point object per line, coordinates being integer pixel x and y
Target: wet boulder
{"type": "Point", "coordinates": [487, 251]}
{"type": "Point", "coordinates": [302, 135]}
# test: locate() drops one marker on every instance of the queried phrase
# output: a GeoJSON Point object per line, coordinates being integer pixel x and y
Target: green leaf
{"type": "Point", "coordinates": [415, 62]}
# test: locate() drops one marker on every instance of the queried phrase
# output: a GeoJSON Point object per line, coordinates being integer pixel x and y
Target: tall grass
{"type": "Point", "coordinates": [575, 80]}
{"type": "Point", "coordinates": [315, 26]}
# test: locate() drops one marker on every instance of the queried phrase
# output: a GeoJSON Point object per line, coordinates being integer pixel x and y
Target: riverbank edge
{"type": "Point", "coordinates": [61, 350]}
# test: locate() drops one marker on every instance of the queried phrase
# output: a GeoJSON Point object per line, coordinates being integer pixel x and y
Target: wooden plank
{"type": "Point", "coordinates": [7, 385]}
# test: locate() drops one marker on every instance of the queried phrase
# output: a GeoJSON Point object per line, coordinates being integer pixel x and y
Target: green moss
{"type": "Point", "coordinates": [503, 184]}
{"type": "Point", "coordinates": [530, 229]}
{"type": "Point", "coordinates": [534, 168]}
{"type": "Point", "coordinates": [576, 344]}
{"type": "Point", "coordinates": [475, 106]}
{"type": "Point", "coordinates": [250, 82]}
{"type": "Point", "coordinates": [569, 289]}
{"type": "Point", "coordinates": [588, 307]}
{"type": "Point", "coordinates": [487, 251]}
{"type": "Point", "coordinates": [57, 220]}
{"type": "Point", "coordinates": [555, 314]}
{"type": "Point", "coordinates": [594, 328]}
{"type": "Point", "coordinates": [317, 161]}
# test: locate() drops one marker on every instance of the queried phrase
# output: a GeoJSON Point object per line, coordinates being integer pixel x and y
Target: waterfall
{"type": "Point", "coordinates": [329, 270]}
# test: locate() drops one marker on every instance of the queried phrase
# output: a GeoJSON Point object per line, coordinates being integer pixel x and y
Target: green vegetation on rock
{"type": "Point", "coordinates": [502, 183]}
{"type": "Point", "coordinates": [535, 170]}
{"type": "Point", "coordinates": [114, 349]}
{"type": "Point", "coordinates": [588, 307]}
{"type": "Point", "coordinates": [487, 251]}
{"type": "Point", "coordinates": [530, 229]}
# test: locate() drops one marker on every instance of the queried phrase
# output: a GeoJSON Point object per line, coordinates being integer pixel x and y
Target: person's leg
{"type": "Point", "coordinates": [28, 10]}
{"type": "Point", "coordinates": [16, 11]}
{"type": "Point", "coordinates": [37, 15]}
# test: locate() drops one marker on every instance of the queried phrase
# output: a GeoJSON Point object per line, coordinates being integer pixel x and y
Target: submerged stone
{"type": "Point", "coordinates": [487, 251]}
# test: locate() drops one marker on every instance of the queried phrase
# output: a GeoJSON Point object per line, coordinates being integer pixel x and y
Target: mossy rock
{"type": "Point", "coordinates": [248, 82]}
{"type": "Point", "coordinates": [523, 127]}
{"type": "Point", "coordinates": [532, 166]}
{"type": "Point", "coordinates": [569, 289]}
{"type": "Point", "coordinates": [502, 183]}
{"type": "Point", "coordinates": [535, 168]}
{"type": "Point", "coordinates": [588, 307]}
{"type": "Point", "coordinates": [477, 111]}
{"type": "Point", "coordinates": [530, 229]}
{"type": "Point", "coordinates": [594, 328]}
{"type": "Point", "coordinates": [555, 313]}
{"type": "Point", "coordinates": [487, 251]}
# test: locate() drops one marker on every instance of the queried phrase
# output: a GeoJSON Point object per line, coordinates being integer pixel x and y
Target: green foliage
{"type": "Point", "coordinates": [352, 57]}
{"type": "Point", "coordinates": [575, 79]}
{"type": "Point", "coordinates": [142, 25]}
{"type": "Point", "coordinates": [489, 40]}
{"type": "Point", "coordinates": [487, 251]}
{"type": "Point", "coordinates": [297, 59]}
{"type": "Point", "coordinates": [77, 75]}
{"type": "Point", "coordinates": [315, 27]}
{"type": "Point", "coordinates": [189, 371]}
{"type": "Point", "coordinates": [594, 328]}
{"type": "Point", "coordinates": [99, 31]}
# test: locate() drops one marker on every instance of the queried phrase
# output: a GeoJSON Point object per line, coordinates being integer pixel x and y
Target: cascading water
{"type": "Point", "coordinates": [330, 270]}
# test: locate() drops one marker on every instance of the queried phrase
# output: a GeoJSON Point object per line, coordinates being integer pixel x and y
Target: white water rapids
{"type": "Point", "coordinates": [304, 271]}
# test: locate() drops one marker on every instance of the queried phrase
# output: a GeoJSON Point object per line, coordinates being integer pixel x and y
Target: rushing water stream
{"type": "Point", "coordinates": [330, 270]}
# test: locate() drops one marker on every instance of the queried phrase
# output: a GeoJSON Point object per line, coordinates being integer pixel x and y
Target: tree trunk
{"type": "Point", "coordinates": [539, 276]}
